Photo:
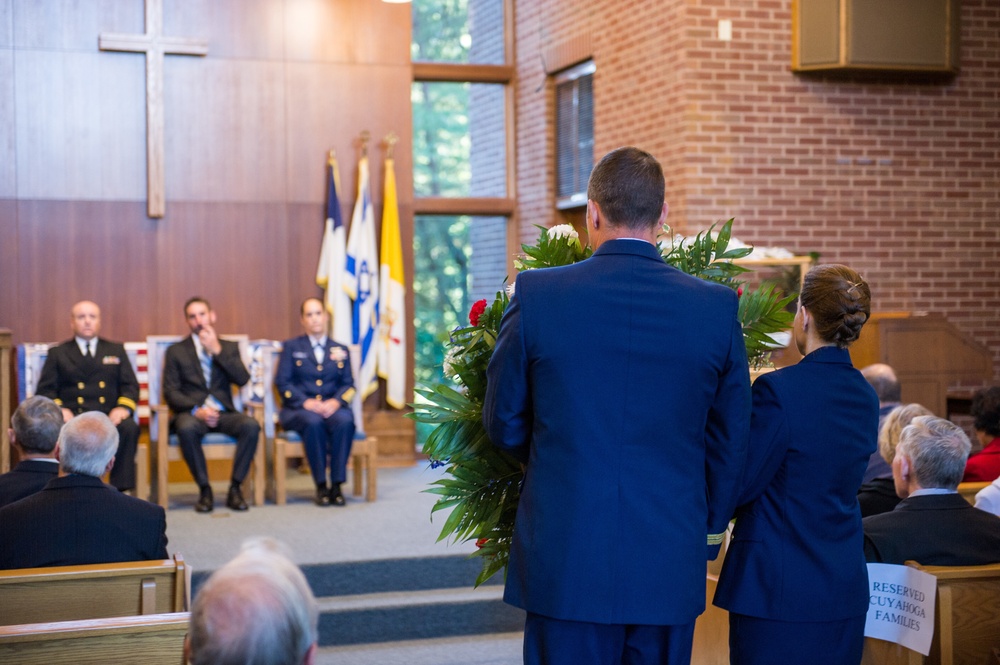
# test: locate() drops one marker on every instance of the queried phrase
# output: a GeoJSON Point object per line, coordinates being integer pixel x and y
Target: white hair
{"type": "Point", "coordinates": [258, 609]}
{"type": "Point", "coordinates": [87, 443]}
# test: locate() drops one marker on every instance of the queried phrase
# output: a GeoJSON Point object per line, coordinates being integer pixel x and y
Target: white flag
{"type": "Point", "coordinates": [392, 299]}
{"type": "Point", "coordinates": [361, 285]}
{"type": "Point", "coordinates": [332, 261]}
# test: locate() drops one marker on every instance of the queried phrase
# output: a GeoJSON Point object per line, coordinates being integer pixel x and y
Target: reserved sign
{"type": "Point", "coordinates": [901, 606]}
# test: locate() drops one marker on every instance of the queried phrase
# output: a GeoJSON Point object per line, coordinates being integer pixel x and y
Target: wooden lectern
{"type": "Point", "coordinates": [927, 353]}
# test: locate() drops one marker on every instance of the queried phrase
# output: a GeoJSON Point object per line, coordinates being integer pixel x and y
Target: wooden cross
{"type": "Point", "coordinates": [155, 46]}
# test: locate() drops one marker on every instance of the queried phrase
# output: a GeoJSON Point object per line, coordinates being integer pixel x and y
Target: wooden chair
{"type": "Point", "coordinates": [31, 358]}
{"type": "Point", "coordinates": [64, 593]}
{"type": "Point", "coordinates": [970, 490]}
{"type": "Point", "coordinates": [288, 445]}
{"type": "Point", "coordinates": [154, 639]}
{"type": "Point", "coordinates": [216, 446]}
{"type": "Point", "coordinates": [966, 620]}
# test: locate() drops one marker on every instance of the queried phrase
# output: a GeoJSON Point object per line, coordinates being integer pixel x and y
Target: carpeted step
{"type": "Point", "coordinates": [388, 600]}
{"type": "Point", "coordinates": [415, 615]}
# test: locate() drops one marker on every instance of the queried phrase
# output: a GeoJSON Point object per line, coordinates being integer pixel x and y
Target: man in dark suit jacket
{"type": "Point", "coordinates": [197, 377]}
{"type": "Point", "coordinates": [633, 449]}
{"type": "Point", "coordinates": [316, 386]}
{"type": "Point", "coordinates": [76, 519]}
{"type": "Point", "coordinates": [932, 525]}
{"type": "Point", "coordinates": [88, 373]}
{"type": "Point", "coordinates": [34, 428]}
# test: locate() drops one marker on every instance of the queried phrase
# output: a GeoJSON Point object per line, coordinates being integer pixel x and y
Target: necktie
{"type": "Point", "coordinates": [89, 354]}
{"type": "Point", "coordinates": [318, 352]}
{"type": "Point", "coordinates": [206, 367]}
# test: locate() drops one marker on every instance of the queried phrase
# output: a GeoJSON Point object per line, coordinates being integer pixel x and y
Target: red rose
{"type": "Point", "coordinates": [482, 541]}
{"type": "Point", "coordinates": [477, 310]}
{"type": "Point", "coordinates": [739, 292]}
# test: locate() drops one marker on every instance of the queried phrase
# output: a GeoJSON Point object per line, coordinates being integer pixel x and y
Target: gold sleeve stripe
{"type": "Point", "coordinates": [348, 395]}
{"type": "Point", "coordinates": [716, 538]}
{"type": "Point", "coordinates": [125, 401]}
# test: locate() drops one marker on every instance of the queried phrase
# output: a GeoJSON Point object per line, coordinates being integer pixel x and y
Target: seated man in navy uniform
{"type": "Point", "coordinates": [89, 373]}
{"type": "Point", "coordinates": [316, 385]}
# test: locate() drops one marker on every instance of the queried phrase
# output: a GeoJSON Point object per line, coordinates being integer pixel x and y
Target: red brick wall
{"type": "Point", "coordinates": [899, 179]}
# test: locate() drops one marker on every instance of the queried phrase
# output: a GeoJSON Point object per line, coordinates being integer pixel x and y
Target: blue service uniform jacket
{"type": "Point", "coordinates": [797, 551]}
{"type": "Point", "coordinates": [623, 384]}
{"type": "Point", "coordinates": [299, 377]}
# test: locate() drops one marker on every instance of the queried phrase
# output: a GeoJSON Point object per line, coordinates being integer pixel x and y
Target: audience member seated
{"type": "Point", "coordinates": [256, 610]}
{"type": "Point", "coordinates": [198, 374]}
{"type": "Point", "coordinates": [984, 466]}
{"type": "Point", "coordinates": [988, 498]}
{"type": "Point", "coordinates": [883, 380]}
{"type": "Point", "coordinates": [932, 525]}
{"type": "Point", "coordinates": [76, 519]}
{"type": "Point", "coordinates": [89, 373]}
{"type": "Point", "coordinates": [878, 495]}
{"type": "Point", "coordinates": [34, 428]}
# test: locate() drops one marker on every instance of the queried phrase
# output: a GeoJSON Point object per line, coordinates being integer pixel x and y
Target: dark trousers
{"type": "Point", "coordinates": [327, 440]}
{"type": "Point", "coordinates": [123, 472]}
{"type": "Point", "coordinates": [549, 641]}
{"type": "Point", "coordinates": [755, 641]}
{"type": "Point", "coordinates": [241, 427]}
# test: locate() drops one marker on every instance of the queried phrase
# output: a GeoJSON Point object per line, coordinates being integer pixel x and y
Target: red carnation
{"type": "Point", "coordinates": [477, 310]}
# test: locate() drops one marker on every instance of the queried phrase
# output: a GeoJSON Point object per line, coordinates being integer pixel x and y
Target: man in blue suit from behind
{"type": "Point", "coordinates": [633, 437]}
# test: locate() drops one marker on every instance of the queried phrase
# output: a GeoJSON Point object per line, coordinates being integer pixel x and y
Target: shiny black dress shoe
{"type": "Point", "coordinates": [234, 500]}
{"type": "Point", "coordinates": [336, 496]}
{"type": "Point", "coordinates": [205, 501]}
{"type": "Point", "coordinates": [322, 496]}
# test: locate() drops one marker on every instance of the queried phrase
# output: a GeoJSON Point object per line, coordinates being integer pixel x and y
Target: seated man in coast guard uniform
{"type": "Point", "coordinates": [88, 373]}
{"type": "Point", "coordinates": [316, 386]}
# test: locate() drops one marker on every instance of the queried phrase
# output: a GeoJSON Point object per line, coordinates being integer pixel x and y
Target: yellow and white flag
{"type": "Point", "coordinates": [392, 298]}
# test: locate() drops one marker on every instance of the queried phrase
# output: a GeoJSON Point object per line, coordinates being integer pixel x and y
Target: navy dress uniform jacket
{"type": "Point", "coordinates": [623, 384]}
{"type": "Point", "coordinates": [82, 384]}
{"type": "Point", "coordinates": [299, 377]}
{"type": "Point", "coordinates": [78, 520]}
{"type": "Point", "coordinates": [796, 553]}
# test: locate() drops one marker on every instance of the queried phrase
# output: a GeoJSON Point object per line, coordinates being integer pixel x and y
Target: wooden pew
{"type": "Point", "coordinates": [966, 620]}
{"type": "Point", "coordinates": [66, 593]}
{"type": "Point", "coordinates": [155, 639]}
{"type": "Point", "coordinates": [970, 490]}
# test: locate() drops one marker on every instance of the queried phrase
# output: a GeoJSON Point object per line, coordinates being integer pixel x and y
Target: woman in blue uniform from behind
{"type": "Point", "coordinates": [794, 579]}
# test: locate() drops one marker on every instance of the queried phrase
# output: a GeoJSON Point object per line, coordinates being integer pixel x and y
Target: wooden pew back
{"type": "Point", "coordinates": [970, 490]}
{"type": "Point", "coordinates": [155, 639]}
{"type": "Point", "coordinates": [966, 620]}
{"type": "Point", "coordinates": [66, 593]}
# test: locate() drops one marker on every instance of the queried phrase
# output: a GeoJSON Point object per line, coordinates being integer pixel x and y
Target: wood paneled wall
{"type": "Point", "coordinates": [247, 131]}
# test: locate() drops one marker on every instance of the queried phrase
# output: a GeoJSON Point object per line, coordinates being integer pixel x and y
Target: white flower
{"type": "Point", "coordinates": [563, 231]}
{"type": "Point", "coordinates": [510, 289]}
{"type": "Point", "coordinates": [449, 359]}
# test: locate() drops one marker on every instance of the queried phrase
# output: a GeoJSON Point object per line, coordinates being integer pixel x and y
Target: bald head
{"type": "Point", "coordinates": [883, 379]}
{"type": "Point", "coordinates": [85, 319]}
{"type": "Point", "coordinates": [87, 444]}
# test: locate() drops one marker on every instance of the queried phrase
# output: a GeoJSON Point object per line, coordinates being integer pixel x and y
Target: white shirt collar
{"type": "Point", "coordinates": [313, 341]}
{"type": "Point", "coordinates": [930, 491]}
{"type": "Point", "coordinates": [82, 343]}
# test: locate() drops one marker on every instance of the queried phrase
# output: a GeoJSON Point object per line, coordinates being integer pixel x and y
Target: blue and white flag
{"type": "Point", "coordinates": [332, 261]}
{"type": "Point", "coordinates": [361, 285]}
